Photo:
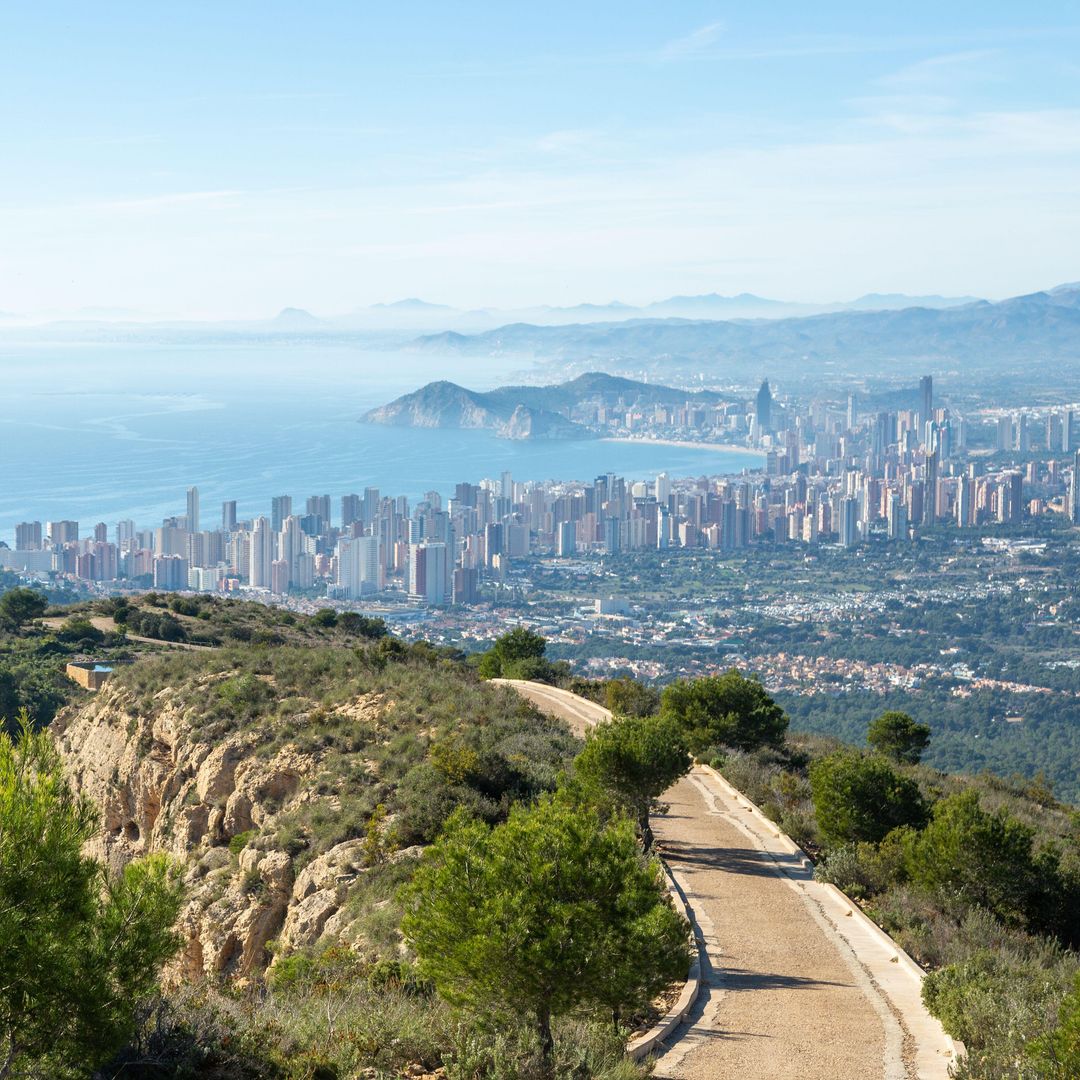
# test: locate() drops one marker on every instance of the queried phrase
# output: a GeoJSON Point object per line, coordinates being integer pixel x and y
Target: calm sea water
{"type": "Point", "coordinates": [103, 433]}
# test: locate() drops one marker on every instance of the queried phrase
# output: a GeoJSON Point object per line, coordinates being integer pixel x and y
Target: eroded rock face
{"type": "Point", "coordinates": [160, 787]}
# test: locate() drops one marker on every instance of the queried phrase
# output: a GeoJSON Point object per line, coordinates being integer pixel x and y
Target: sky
{"type": "Point", "coordinates": [225, 160]}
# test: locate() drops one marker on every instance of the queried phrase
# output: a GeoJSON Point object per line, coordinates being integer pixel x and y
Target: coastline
{"type": "Point", "coordinates": [687, 444]}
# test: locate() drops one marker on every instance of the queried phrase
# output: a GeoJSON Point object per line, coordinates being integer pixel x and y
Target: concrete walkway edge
{"type": "Point", "coordinates": [645, 1043]}
{"type": "Point", "coordinates": [892, 969]}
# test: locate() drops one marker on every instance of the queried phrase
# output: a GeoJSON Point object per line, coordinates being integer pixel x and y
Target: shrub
{"type": "Point", "coordinates": [862, 798]}
{"type": "Point", "coordinates": [984, 858]}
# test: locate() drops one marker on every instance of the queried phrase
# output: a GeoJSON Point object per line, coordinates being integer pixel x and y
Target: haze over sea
{"type": "Point", "coordinates": [105, 432]}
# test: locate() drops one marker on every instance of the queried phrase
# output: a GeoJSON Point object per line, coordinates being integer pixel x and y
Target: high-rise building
{"type": "Point", "coordinates": [427, 573]}
{"type": "Point", "coordinates": [763, 408]}
{"type": "Point", "coordinates": [567, 539]}
{"type": "Point", "coordinates": [350, 510]}
{"type": "Point", "coordinates": [280, 509]}
{"type": "Point", "coordinates": [28, 536]}
{"type": "Point", "coordinates": [926, 402]}
{"type": "Point", "coordinates": [319, 506]}
{"type": "Point", "coordinates": [965, 504]}
{"type": "Point", "coordinates": [466, 585]}
{"type": "Point", "coordinates": [62, 532]}
{"type": "Point", "coordinates": [1074, 490]}
{"type": "Point", "coordinates": [279, 577]}
{"type": "Point", "coordinates": [897, 517]}
{"type": "Point", "coordinates": [1005, 433]}
{"type": "Point", "coordinates": [262, 554]}
{"type": "Point", "coordinates": [359, 569]}
{"type": "Point", "coordinates": [101, 533]}
{"type": "Point", "coordinates": [193, 509]}
{"type": "Point", "coordinates": [849, 521]}
{"type": "Point", "coordinates": [228, 515]}
{"type": "Point", "coordinates": [170, 572]}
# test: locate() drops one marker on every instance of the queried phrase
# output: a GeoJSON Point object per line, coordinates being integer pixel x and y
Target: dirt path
{"type": "Point", "coordinates": [107, 625]}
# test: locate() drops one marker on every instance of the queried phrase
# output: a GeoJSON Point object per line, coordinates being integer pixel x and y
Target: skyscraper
{"type": "Point", "coordinates": [926, 402]}
{"type": "Point", "coordinates": [228, 515]}
{"type": "Point", "coordinates": [849, 521]}
{"type": "Point", "coordinates": [193, 509]}
{"type": "Point", "coordinates": [1074, 490]}
{"type": "Point", "coordinates": [427, 573]}
{"type": "Point", "coordinates": [280, 509]}
{"type": "Point", "coordinates": [350, 510]}
{"type": "Point", "coordinates": [262, 554]}
{"type": "Point", "coordinates": [28, 536]}
{"type": "Point", "coordinates": [763, 409]}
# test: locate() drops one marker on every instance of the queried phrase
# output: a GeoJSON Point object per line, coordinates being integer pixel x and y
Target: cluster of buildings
{"type": "Point", "coordinates": [828, 474]}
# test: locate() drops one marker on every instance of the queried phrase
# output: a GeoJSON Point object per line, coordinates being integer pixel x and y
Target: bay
{"type": "Point", "coordinates": [106, 432]}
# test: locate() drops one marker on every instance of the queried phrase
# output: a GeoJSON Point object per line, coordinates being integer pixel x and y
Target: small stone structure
{"type": "Point", "coordinates": [89, 674]}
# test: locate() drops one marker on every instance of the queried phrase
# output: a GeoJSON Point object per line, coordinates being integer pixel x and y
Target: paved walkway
{"type": "Point", "coordinates": [580, 713]}
{"type": "Point", "coordinates": [796, 983]}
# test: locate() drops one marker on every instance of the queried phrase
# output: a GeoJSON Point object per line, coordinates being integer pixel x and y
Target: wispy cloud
{"type": "Point", "coordinates": [696, 41]}
{"type": "Point", "coordinates": [945, 69]}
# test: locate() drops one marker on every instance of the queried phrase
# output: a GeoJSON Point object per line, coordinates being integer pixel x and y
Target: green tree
{"type": "Point", "coordinates": [78, 948]}
{"type": "Point", "coordinates": [857, 797]}
{"type": "Point", "coordinates": [628, 697]}
{"type": "Point", "coordinates": [1056, 1055]}
{"type": "Point", "coordinates": [552, 911]}
{"type": "Point", "coordinates": [899, 737]}
{"type": "Point", "coordinates": [727, 710]}
{"type": "Point", "coordinates": [517, 654]}
{"type": "Point", "coordinates": [20, 606]}
{"type": "Point", "coordinates": [635, 759]}
{"type": "Point", "coordinates": [985, 858]}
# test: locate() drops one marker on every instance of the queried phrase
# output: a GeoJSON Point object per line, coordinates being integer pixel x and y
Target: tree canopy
{"type": "Point", "coordinates": [635, 759]}
{"type": "Point", "coordinates": [517, 654]}
{"type": "Point", "coordinates": [859, 797]}
{"type": "Point", "coordinates": [724, 710]}
{"type": "Point", "coordinates": [899, 737]}
{"type": "Point", "coordinates": [78, 948]}
{"type": "Point", "coordinates": [553, 910]}
{"type": "Point", "coordinates": [20, 606]}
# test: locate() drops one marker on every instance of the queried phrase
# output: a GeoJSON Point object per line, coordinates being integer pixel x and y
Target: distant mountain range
{"type": "Point", "coordinates": [414, 312]}
{"type": "Point", "coordinates": [522, 412]}
{"type": "Point", "coordinates": [417, 315]}
{"type": "Point", "coordinates": [1039, 328]}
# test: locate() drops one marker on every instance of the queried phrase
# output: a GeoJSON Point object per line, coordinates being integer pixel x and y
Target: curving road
{"type": "Point", "coordinates": [796, 983]}
{"type": "Point", "coordinates": [580, 713]}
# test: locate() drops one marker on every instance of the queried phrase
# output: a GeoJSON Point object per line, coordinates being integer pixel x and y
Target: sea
{"type": "Point", "coordinates": [114, 431]}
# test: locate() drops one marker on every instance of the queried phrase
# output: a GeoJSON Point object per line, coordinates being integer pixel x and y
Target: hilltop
{"type": "Point", "coordinates": [523, 412]}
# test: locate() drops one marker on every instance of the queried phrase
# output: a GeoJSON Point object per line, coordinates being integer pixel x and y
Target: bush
{"type": "Point", "coordinates": [862, 798]}
{"type": "Point", "coordinates": [862, 870]}
{"type": "Point", "coordinates": [986, 859]}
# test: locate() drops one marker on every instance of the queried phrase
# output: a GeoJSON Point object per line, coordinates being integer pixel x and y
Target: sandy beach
{"type": "Point", "coordinates": [687, 444]}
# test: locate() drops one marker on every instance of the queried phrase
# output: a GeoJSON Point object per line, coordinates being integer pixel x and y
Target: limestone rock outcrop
{"type": "Point", "coordinates": [162, 784]}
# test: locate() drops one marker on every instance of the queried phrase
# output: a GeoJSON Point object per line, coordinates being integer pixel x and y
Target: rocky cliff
{"type": "Point", "coordinates": [213, 803]}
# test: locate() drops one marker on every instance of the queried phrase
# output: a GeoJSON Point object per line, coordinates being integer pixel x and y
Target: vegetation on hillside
{"type": "Point", "coordinates": [80, 949]}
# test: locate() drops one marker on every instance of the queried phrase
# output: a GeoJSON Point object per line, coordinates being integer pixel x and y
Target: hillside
{"type": "Point", "coordinates": [522, 412]}
{"type": "Point", "coordinates": [1039, 327]}
{"type": "Point", "coordinates": [291, 782]}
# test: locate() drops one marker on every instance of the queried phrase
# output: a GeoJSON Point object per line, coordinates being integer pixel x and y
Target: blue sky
{"type": "Point", "coordinates": [228, 159]}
